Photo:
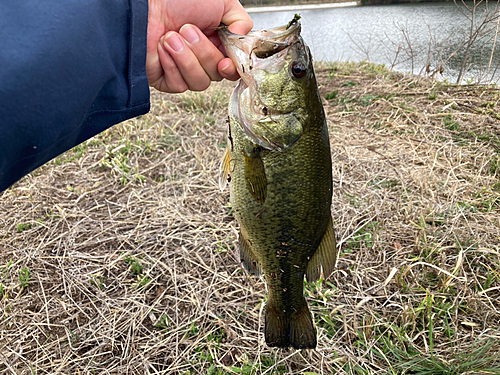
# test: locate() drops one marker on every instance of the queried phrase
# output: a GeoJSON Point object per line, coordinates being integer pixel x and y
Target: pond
{"type": "Point", "coordinates": [424, 38]}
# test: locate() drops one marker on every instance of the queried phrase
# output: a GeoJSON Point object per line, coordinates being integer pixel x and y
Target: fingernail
{"type": "Point", "coordinates": [174, 41]}
{"type": "Point", "coordinates": [189, 33]}
{"type": "Point", "coordinates": [227, 71]}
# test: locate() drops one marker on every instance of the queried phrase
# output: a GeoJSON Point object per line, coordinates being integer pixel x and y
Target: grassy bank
{"type": "Point", "coordinates": [119, 256]}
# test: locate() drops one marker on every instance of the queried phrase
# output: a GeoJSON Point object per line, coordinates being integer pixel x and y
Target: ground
{"type": "Point", "coordinates": [120, 256]}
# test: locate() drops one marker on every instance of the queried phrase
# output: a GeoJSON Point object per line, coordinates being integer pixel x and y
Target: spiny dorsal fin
{"type": "Point", "coordinates": [324, 257]}
{"type": "Point", "coordinates": [248, 258]}
{"type": "Point", "coordinates": [255, 176]}
{"type": "Point", "coordinates": [224, 170]}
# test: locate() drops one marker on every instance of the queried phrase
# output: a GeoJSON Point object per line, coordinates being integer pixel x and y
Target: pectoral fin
{"type": "Point", "coordinates": [325, 256]}
{"type": "Point", "coordinates": [224, 170]}
{"type": "Point", "coordinates": [255, 177]}
{"type": "Point", "coordinates": [248, 258]}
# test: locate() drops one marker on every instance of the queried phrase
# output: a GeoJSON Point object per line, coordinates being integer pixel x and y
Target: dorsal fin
{"type": "Point", "coordinates": [325, 256]}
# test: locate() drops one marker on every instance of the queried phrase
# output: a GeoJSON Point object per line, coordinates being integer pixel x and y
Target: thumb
{"type": "Point", "coordinates": [236, 18]}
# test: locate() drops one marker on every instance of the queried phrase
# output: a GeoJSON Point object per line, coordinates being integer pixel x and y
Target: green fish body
{"type": "Point", "coordinates": [279, 166]}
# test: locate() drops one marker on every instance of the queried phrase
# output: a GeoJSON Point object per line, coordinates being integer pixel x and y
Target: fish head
{"type": "Point", "coordinates": [270, 101]}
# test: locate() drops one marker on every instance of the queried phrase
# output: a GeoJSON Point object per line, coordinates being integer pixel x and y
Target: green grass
{"type": "Point", "coordinates": [23, 226]}
{"type": "Point", "coordinates": [118, 161]}
{"type": "Point", "coordinates": [495, 166]}
{"type": "Point", "coordinates": [210, 345]}
{"type": "Point", "coordinates": [350, 83]}
{"type": "Point", "coordinates": [383, 183]}
{"type": "Point", "coordinates": [366, 100]}
{"type": "Point", "coordinates": [433, 95]}
{"type": "Point", "coordinates": [97, 281]}
{"type": "Point", "coordinates": [345, 68]}
{"type": "Point", "coordinates": [135, 267]}
{"type": "Point", "coordinates": [480, 358]}
{"type": "Point", "coordinates": [347, 102]}
{"type": "Point", "coordinates": [74, 154]}
{"type": "Point", "coordinates": [163, 322]}
{"type": "Point", "coordinates": [169, 140]}
{"type": "Point", "coordinates": [332, 95]}
{"type": "Point", "coordinates": [196, 102]}
{"type": "Point", "coordinates": [24, 277]}
{"type": "Point", "coordinates": [450, 124]}
{"type": "Point", "coordinates": [143, 281]}
{"type": "Point", "coordinates": [362, 238]}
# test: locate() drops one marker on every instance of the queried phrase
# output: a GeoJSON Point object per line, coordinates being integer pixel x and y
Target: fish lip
{"type": "Point", "coordinates": [241, 48]}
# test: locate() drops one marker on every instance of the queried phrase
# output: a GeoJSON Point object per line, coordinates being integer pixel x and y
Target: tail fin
{"type": "Point", "coordinates": [285, 329]}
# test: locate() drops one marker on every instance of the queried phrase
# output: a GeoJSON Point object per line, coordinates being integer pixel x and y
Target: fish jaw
{"type": "Point", "coordinates": [269, 102]}
{"type": "Point", "coordinates": [251, 51]}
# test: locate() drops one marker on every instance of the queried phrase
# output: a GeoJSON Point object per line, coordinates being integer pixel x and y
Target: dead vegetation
{"type": "Point", "coordinates": [119, 256]}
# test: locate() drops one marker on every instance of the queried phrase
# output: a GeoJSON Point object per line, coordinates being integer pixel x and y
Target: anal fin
{"type": "Point", "coordinates": [325, 256]}
{"type": "Point", "coordinates": [248, 258]}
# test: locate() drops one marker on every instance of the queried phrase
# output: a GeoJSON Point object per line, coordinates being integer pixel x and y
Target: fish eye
{"type": "Point", "coordinates": [298, 69]}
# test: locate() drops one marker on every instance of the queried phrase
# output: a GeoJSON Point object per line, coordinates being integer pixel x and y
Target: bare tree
{"type": "Point", "coordinates": [482, 23]}
{"type": "Point", "coordinates": [474, 46]}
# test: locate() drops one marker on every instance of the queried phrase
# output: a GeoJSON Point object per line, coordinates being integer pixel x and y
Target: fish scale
{"type": "Point", "coordinates": [280, 172]}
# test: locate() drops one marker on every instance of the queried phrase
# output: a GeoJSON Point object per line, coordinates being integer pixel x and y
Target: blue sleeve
{"type": "Point", "coordinates": [68, 70]}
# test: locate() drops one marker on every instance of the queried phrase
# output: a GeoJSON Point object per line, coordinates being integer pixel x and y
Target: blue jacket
{"type": "Point", "coordinates": [68, 70]}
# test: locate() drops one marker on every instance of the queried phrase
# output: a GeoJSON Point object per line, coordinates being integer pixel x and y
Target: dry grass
{"type": "Point", "coordinates": [119, 256]}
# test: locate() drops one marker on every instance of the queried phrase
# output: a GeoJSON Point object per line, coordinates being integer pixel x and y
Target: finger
{"type": "Point", "coordinates": [186, 61]}
{"type": "Point", "coordinates": [205, 51]}
{"type": "Point", "coordinates": [227, 69]}
{"type": "Point", "coordinates": [171, 80]}
{"type": "Point", "coordinates": [154, 70]}
{"type": "Point", "coordinates": [236, 17]}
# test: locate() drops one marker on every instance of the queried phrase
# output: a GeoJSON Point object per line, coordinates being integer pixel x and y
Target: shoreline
{"type": "Point", "coordinates": [285, 8]}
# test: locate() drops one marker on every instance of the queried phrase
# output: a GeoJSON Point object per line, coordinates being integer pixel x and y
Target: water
{"type": "Point", "coordinates": [408, 37]}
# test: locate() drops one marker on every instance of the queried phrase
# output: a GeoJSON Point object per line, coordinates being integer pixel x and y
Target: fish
{"type": "Point", "coordinates": [279, 170]}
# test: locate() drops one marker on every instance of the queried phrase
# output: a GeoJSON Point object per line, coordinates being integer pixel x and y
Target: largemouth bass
{"type": "Point", "coordinates": [279, 166]}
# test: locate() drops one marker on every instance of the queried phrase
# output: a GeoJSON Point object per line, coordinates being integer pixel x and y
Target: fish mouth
{"type": "Point", "coordinates": [259, 50]}
{"type": "Point", "coordinates": [249, 51]}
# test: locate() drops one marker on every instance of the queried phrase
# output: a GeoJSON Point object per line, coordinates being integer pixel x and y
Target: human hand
{"type": "Point", "coordinates": [183, 47]}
